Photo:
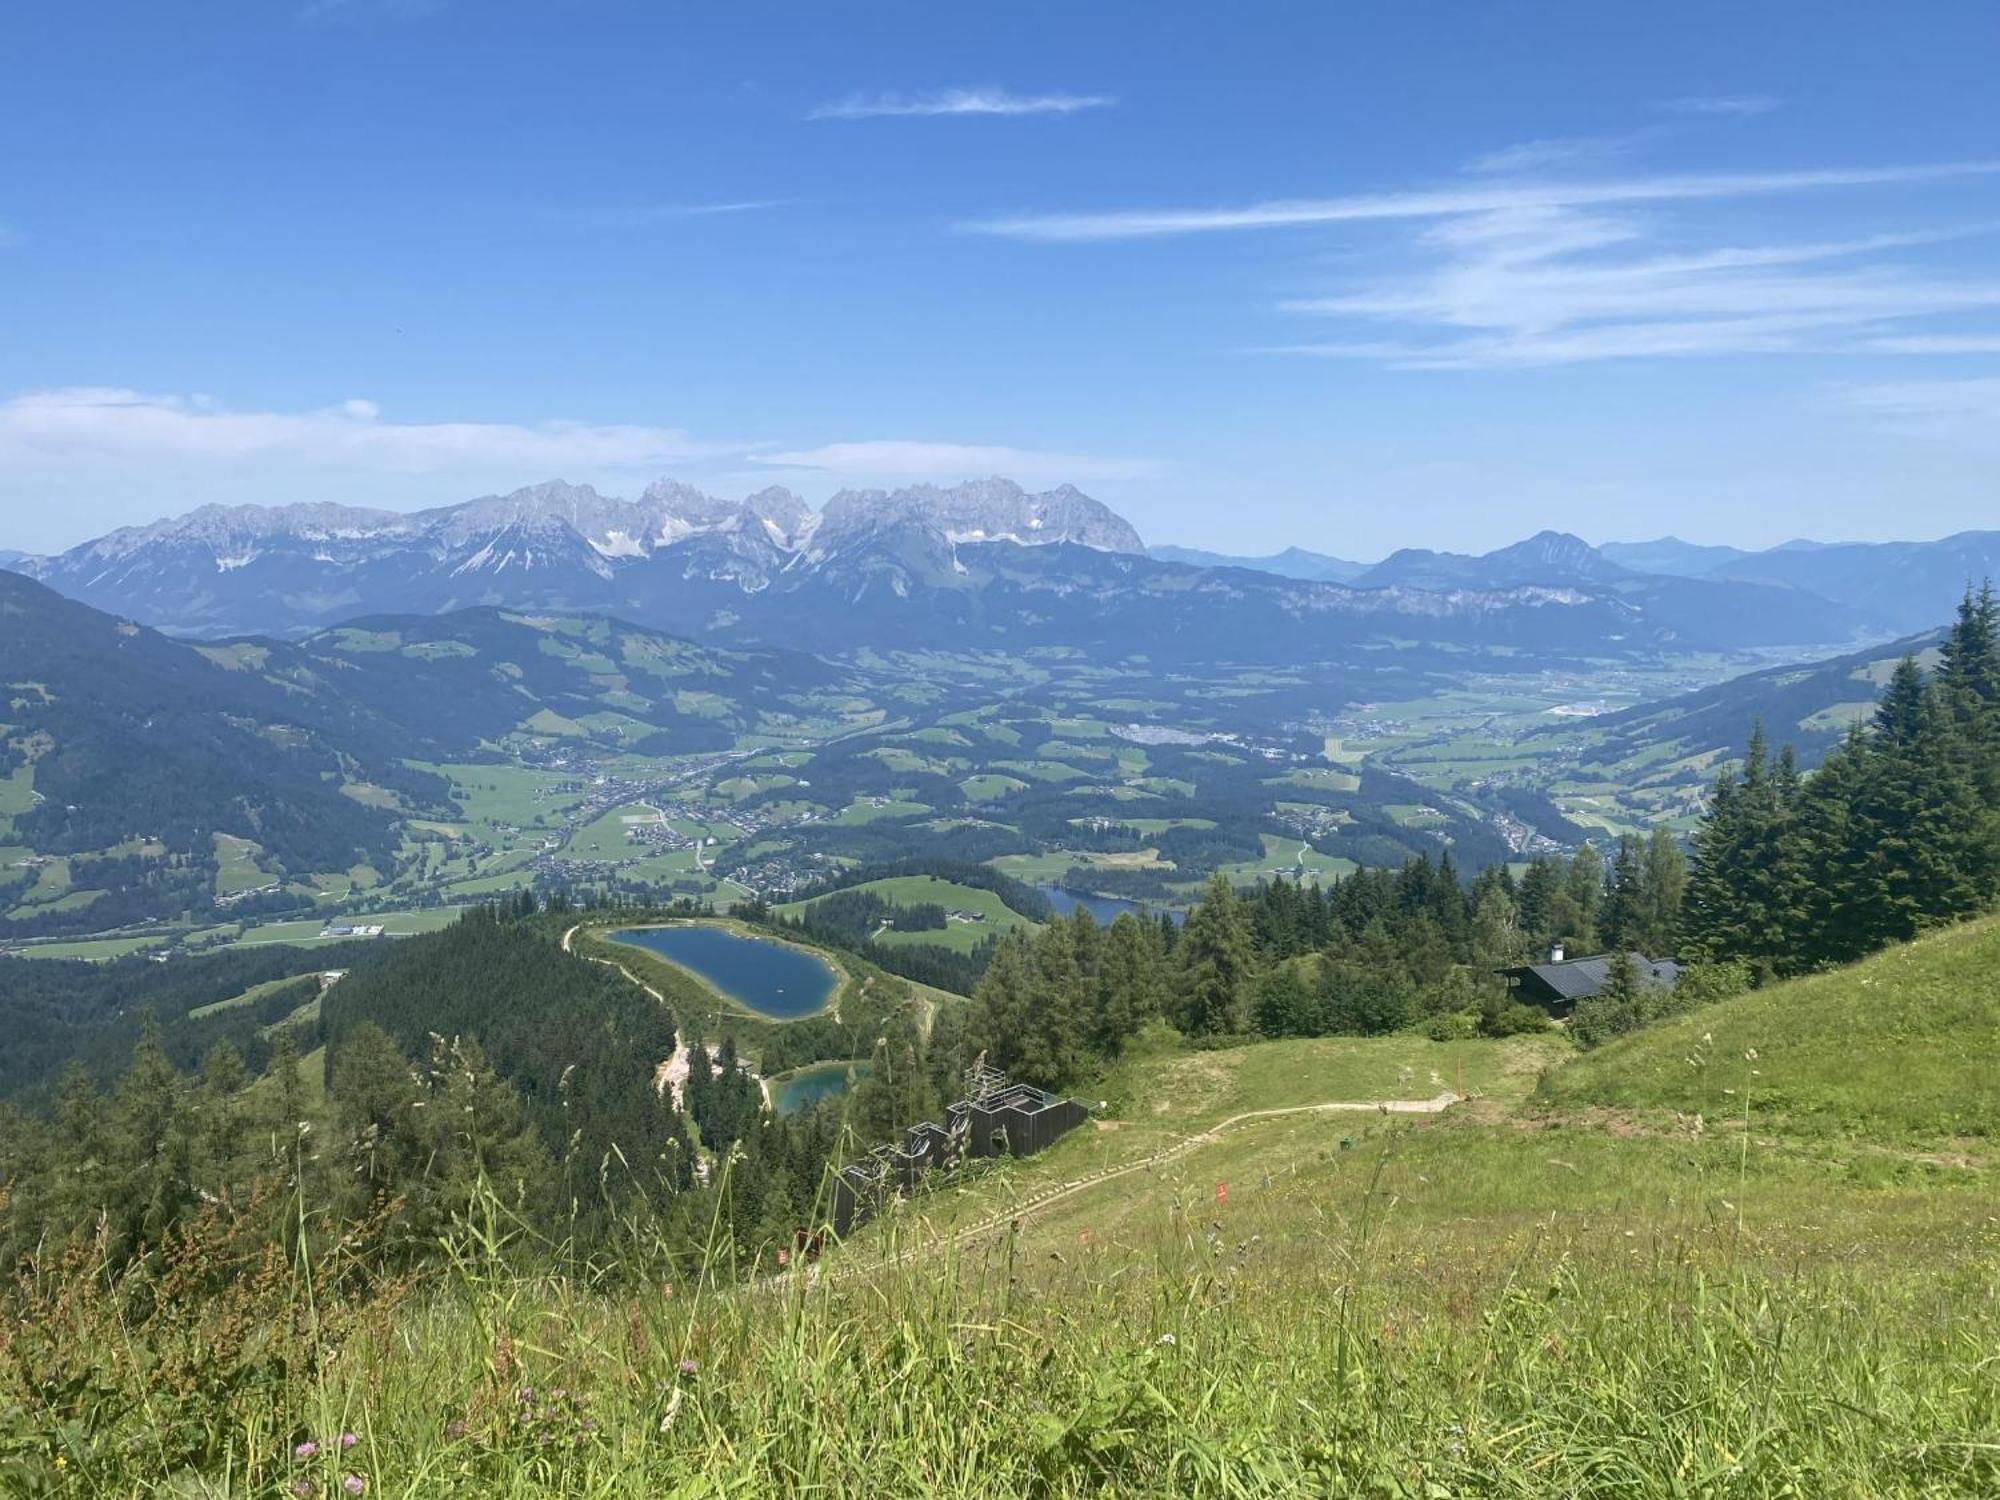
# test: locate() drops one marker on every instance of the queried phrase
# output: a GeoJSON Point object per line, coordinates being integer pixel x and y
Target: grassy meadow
{"type": "Point", "coordinates": [1667, 1268]}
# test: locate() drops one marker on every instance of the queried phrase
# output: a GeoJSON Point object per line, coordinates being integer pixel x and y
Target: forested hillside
{"type": "Point", "coordinates": [1897, 831]}
{"type": "Point", "coordinates": [139, 750]}
{"type": "Point", "coordinates": [56, 1012]}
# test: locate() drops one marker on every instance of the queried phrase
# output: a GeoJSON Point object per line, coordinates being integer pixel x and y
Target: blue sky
{"type": "Point", "coordinates": [1348, 276]}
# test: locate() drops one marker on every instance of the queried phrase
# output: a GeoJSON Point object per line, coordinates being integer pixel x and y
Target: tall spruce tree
{"type": "Point", "coordinates": [1664, 886]}
{"type": "Point", "coordinates": [1128, 982]}
{"type": "Point", "coordinates": [1215, 963]}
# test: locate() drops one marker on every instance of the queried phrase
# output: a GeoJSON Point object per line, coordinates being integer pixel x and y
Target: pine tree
{"type": "Point", "coordinates": [480, 1136]}
{"type": "Point", "coordinates": [1128, 982]}
{"type": "Point", "coordinates": [1364, 992]}
{"type": "Point", "coordinates": [1496, 939]}
{"type": "Point", "coordinates": [1663, 887]}
{"type": "Point", "coordinates": [1215, 964]}
{"type": "Point", "coordinates": [1710, 913]}
{"type": "Point", "coordinates": [1052, 1053]}
{"type": "Point", "coordinates": [1738, 901]}
{"type": "Point", "coordinates": [223, 1125]}
{"type": "Point", "coordinates": [1928, 853]}
{"type": "Point", "coordinates": [80, 1154]}
{"type": "Point", "coordinates": [1825, 858]}
{"type": "Point", "coordinates": [897, 1093]}
{"type": "Point", "coordinates": [1968, 680]}
{"type": "Point", "coordinates": [1624, 903]}
{"type": "Point", "coordinates": [1540, 887]}
{"type": "Point", "coordinates": [1005, 1000]}
{"type": "Point", "coordinates": [153, 1144]}
{"type": "Point", "coordinates": [377, 1100]}
{"type": "Point", "coordinates": [1585, 889]}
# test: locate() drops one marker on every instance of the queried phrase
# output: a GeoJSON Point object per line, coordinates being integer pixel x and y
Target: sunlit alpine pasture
{"type": "Point", "coordinates": [1220, 1288]}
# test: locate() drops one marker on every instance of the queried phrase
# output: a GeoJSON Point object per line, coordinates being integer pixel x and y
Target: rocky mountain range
{"type": "Point", "coordinates": [1828, 589]}
{"type": "Point", "coordinates": [1669, 554]}
{"type": "Point", "coordinates": [674, 552]}
{"type": "Point", "coordinates": [1293, 562]}
{"type": "Point", "coordinates": [983, 564]}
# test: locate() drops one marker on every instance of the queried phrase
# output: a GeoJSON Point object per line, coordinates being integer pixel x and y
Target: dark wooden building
{"type": "Point", "coordinates": [996, 1118]}
{"type": "Point", "coordinates": [1557, 985]}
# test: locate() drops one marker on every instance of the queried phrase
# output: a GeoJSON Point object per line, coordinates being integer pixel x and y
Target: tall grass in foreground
{"type": "Point", "coordinates": [1309, 1338]}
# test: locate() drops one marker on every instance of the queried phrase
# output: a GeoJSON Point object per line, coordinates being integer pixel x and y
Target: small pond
{"type": "Point", "coordinates": [771, 978]}
{"type": "Point", "coordinates": [1106, 909]}
{"type": "Point", "coordinates": [815, 1081]}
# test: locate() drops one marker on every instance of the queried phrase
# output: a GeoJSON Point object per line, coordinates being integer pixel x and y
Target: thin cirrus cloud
{"type": "Point", "coordinates": [1561, 151]}
{"type": "Point", "coordinates": [902, 460]}
{"type": "Point", "coordinates": [654, 215]}
{"type": "Point", "coordinates": [945, 102]}
{"type": "Point", "coordinates": [1933, 343]}
{"type": "Point", "coordinates": [1722, 104]}
{"type": "Point", "coordinates": [110, 427]}
{"type": "Point", "coordinates": [1439, 203]}
{"type": "Point", "coordinates": [1931, 408]}
{"type": "Point", "coordinates": [1533, 288]}
{"type": "Point", "coordinates": [1524, 271]}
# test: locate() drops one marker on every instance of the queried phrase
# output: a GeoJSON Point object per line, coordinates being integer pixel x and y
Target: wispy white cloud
{"type": "Point", "coordinates": [1932, 408]}
{"type": "Point", "coordinates": [895, 460]}
{"type": "Point", "coordinates": [1552, 286]}
{"type": "Point", "coordinates": [1723, 104]}
{"type": "Point", "coordinates": [1448, 202]}
{"type": "Point", "coordinates": [981, 101]}
{"type": "Point", "coordinates": [650, 215]}
{"type": "Point", "coordinates": [80, 428]}
{"type": "Point", "coordinates": [1522, 270]}
{"type": "Point", "coordinates": [1933, 343]}
{"type": "Point", "coordinates": [1560, 151]}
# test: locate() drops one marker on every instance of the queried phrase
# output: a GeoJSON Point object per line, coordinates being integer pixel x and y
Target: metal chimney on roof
{"type": "Point", "coordinates": [1555, 953]}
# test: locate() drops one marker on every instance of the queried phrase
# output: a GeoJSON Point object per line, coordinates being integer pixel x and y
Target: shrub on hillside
{"type": "Point", "coordinates": [1503, 1019]}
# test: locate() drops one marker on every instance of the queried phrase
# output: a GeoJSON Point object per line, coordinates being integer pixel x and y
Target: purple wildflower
{"type": "Point", "coordinates": [454, 1429]}
{"type": "Point", "coordinates": [354, 1484]}
{"type": "Point", "coordinates": [348, 1440]}
{"type": "Point", "coordinates": [689, 1366]}
{"type": "Point", "coordinates": [306, 1449]}
{"type": "Point", "coordinates": [305, 1489]}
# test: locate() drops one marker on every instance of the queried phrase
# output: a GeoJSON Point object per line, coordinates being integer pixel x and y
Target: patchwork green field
{"type": "Point", "coordinates": [972, 915]}
{"type": "Point", "coordinates": [1110, 779]}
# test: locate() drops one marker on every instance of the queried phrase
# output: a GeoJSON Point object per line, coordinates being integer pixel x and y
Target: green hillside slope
{"type": "Point", "coordinates": [1901, 1047]}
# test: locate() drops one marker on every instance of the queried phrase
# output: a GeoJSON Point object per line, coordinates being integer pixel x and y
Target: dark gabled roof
{"type": "Point", "coordinates": [1583, 978]}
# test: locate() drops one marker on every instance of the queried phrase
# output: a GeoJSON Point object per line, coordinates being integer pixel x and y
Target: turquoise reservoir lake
{"type": "Point", "coordinates": [773, 979]}
{"type": "Point", "coordinates": [814, 1082]}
